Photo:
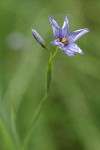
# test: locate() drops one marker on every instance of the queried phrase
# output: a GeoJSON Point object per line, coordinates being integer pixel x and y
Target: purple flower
{"type": "Point", "coordinates": [64, 40]}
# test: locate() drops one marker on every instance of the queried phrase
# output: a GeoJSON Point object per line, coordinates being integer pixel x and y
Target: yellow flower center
{"type": "Point", "coordinates": [63, 40]}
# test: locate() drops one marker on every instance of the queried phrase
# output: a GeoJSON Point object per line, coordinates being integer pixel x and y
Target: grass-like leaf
{"type": "Point", "coordinates": [6, 136]}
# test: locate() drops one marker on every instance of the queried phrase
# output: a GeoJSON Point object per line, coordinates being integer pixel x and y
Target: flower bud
{"type": "Point", "coordinates": [38, 38]}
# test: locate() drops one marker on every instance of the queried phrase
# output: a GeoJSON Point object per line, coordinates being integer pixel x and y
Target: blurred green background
{"type": "Point", "coordinates": [70, 119]}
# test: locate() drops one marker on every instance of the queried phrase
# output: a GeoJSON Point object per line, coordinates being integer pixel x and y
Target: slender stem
{"type": "Point", "coordinates": [54, 54]}
{"type": "Point", "coordinates": [48, 50]}
{"type": "Point", "coordinates": [40, 106]}
{"type": "Point", "coordinates": [33, 121]}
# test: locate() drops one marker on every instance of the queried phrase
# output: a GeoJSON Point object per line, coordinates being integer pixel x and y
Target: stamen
{"type": "Point", "coordinates": [63, 40]}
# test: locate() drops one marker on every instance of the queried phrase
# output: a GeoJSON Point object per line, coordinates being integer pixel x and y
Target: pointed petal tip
{"type": "Point", "coordinates": [86, 30]}
{"type": "Point", "coordinates": [66, 17]}
{"type": "Point", "coordinates": [33, 31]}
{"type": "Point", "coordinates": [82, 53]}
{"type": "Point", "coordinates": [50, 18]}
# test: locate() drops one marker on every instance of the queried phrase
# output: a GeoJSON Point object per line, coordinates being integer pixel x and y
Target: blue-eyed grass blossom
{"type": "Point", "coordinates": [65, 40]}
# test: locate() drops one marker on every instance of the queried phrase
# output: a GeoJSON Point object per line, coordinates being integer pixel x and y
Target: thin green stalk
{"type": "Point", "coordinates": [56, 51]}
{"type": "Point", "coordinates": [49, 70]}
{"type": "Point", "coordinates": [42, 102]}
{"type": "Point", "coordinates": [33, 121]}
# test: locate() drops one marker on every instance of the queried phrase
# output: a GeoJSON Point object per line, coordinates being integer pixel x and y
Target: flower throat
{"type": "Point", "coordinates": [63, 40]}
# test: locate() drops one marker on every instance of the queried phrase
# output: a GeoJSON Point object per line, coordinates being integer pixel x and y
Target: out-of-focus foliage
{"type": "Point", "coordinates": [70, 119]}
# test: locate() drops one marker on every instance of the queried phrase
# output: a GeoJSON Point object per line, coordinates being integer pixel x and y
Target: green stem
{"type": "Point", "coordinates": [40, 106]}
{"type": "Point", "coordinates": [53, 55]}
{"type": "Point", "coordinates": [56, 51]}
{"type": "Point", "coordinates": [33, 121]}
{"type": "Point", "coordinates": [49, 70]}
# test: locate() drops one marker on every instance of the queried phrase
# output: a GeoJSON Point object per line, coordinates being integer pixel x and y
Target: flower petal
{"type": "Point", "coordinates": [74, 36]}
{"type": "Point", "coordinates": [69, 53]}
{"type": "Point", "coordinates": [55, 27]}
{"type": "Point", "coordinates": [71, 49]}
{"type": "Point", "coordinates": [65, 27]}
{"type": "Point", "coordinates": [59, 44]}
{"type": "Point", "coordinates": [75, 48]}
{"type": "Point", "coordinates": [53, 22]}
